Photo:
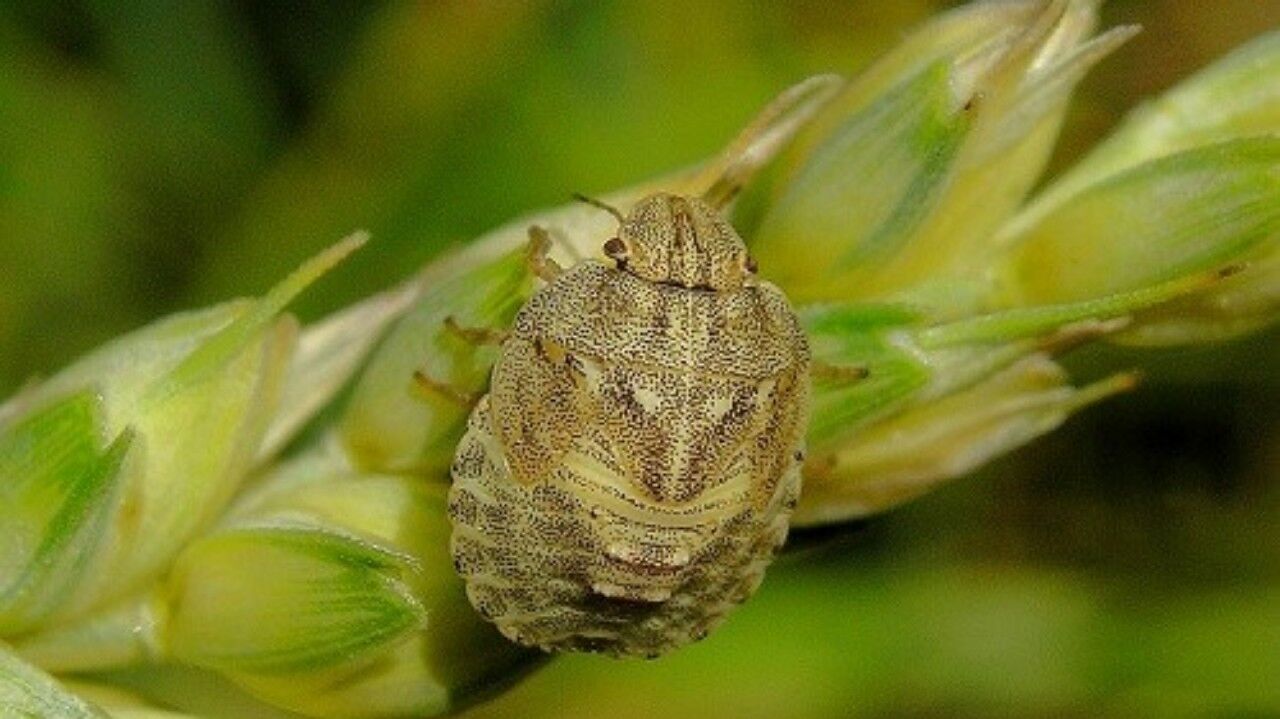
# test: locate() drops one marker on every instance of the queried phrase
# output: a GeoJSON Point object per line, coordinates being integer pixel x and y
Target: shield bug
{"type": "Point", "coordinates": [631, 472]}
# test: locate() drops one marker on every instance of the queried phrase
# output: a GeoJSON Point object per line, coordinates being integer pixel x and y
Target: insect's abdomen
{"type": "Point", "coordinates": [569, 562]}
{"type": "Point", "coordinates": [632, 471]}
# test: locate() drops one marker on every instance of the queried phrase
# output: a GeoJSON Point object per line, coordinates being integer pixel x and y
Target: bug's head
{"type": "Point", "coordinates": [681, 241]}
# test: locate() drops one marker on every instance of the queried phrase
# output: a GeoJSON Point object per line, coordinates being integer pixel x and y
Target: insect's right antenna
{"type": "Point", "coordinates": [601, 204]}
{"type": "Point", "coordinates": [772, 128]}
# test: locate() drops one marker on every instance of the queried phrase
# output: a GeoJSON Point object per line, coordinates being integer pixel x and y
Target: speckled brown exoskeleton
{"type": "Point", "coordinates": [632, 470]}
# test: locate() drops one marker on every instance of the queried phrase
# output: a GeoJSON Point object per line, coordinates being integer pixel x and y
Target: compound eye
{"type": "Point", "coordinates": [615, 248]}
{"type": "Point", "coordinates": [751, 265]}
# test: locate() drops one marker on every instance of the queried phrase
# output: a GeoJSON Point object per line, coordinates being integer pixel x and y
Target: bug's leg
{"type": "Point", "coordinates": [540, 263]}
{"type": "Point", "coordinates": [426, 387]}
{"type": "Point", "coordinates": [475, 335]}
{"type": "Point", "coordinates": [840, 373]}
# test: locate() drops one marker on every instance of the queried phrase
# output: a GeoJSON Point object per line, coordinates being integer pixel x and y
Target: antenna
{"type": "Point", "coordinates": [602, 205]}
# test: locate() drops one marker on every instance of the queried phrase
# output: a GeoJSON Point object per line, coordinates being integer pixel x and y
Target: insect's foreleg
{"type": "Point", "coordinates": [838, 372]}
{"type": "Point", "coordinates": [540, 263]}
{"type": "Point", "coordinates": [475, 335]}
{"type": "Point", "coordinates": [426, 387]}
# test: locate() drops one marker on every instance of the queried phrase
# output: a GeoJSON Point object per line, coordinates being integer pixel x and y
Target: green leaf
{"type": "Point", "coordinates": [195, 393]}
{"type": "Point", "coordinates": [864, 190]}
{"type": "Point", "coordinates": [329, 354]}
{"type": "Point", "coordinates": [905, 177]}
{"type": "Point", "coordinates": [447, 661]}
{"type": "Point", "coordinates": [28, 692]}
{"type": "Point", "coordinates": [961, 32]}
{"type": "Point", "coordinates": [1234, 98]}
{"type": "Point", "coordinates": [940, 399]}
{"type": "Point", "coordinates": [904, 456]}
{"type": "Point", "coordinates": [912, 362]}
{"type": "Point", "coordinates": [1190, 212]}
{"type": "Point", "coordinates": [124, 634]}
{"type": "Point", "coordinates": [862, 336]}
{"type": "Point", "coordinates": [1017, 112]}
{"type": "Point", "coordinates": [285, 599]}
{"type": "Point", "coordinates": [195, 443]}
{"type": "Point", "coordinates": [1245, 302]}
{"type": "Point", "coordinates": [58, 487]}
{"type": "Point", "coordinates": [1044, 320]}
{"type": "Point", "coordinates": [229, 341]}
{"type": "Point", "coordinates": [389, 424]}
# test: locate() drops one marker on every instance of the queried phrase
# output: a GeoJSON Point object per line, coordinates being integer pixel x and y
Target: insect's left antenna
{"type": "Point", "coordinates": [602, 205]}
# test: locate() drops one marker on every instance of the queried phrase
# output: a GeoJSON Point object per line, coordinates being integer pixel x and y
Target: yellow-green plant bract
{"type": "Point", "coordinates": [150, 526]}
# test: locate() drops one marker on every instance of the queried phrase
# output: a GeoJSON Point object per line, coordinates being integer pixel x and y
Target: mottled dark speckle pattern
{"type": "Point", "coordinates": [632, 471]}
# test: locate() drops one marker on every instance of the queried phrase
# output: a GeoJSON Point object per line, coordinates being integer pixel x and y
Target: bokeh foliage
{"type": "Point", "coordinates": [157, 156]}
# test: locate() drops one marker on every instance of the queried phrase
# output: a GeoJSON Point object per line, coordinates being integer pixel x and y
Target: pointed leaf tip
{"type": "Point", "coordinates": [310, 271]}
{"type": "Point", "coordinates": [229, 341]}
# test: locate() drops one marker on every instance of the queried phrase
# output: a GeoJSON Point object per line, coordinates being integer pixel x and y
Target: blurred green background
{"type": "Point", "coordinates": [159, 155]}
